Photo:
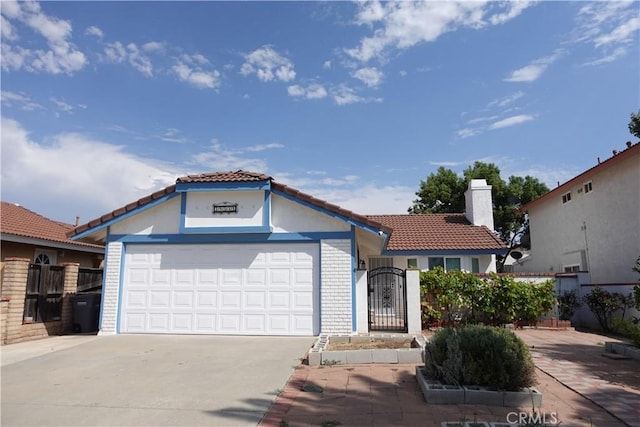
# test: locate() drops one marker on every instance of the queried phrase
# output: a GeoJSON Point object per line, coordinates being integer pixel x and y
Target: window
{"type": "Point", "coordinates": [475, 265]}
{"type": "Point", "coordinates": [588, 187]}
{"type": "Point", "coordinates": [566, 197]}
{"type": "Point", "coordinates": [412, 263]}
{"type": "Point", "coordinates": [571, 268]}
{"type": "Point", "coordinates": [447, 263]}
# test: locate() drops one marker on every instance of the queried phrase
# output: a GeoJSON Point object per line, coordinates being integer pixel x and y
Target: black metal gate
{"type": "Point", "coordinates": [387, 300]}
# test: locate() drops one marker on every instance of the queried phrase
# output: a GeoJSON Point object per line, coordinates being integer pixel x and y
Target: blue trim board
{"type": "Point", "coordinates": [329, 213]}
{"type": "Point", "coordinates": [222, 230]}
{"type": "Point", "coordinates": [120, 288]}
{"type": "Point", "coordinates": [446, 252]}
{"type": "Point", "coordinates": [183, 211]}
{"type": "Point", "coordinates": [319, 331]}
{"type": "Point", "coordinates": [104, 279]}
{"type": "Point", "coordinates": [266, 209]}
{"type": "Point", "coordinates": [222, 186]}
{"type": "Point", "coordinates": [354, 265]}
{"type": "Point", "coordinates": [230, 238]}
{"type": "Point", "coordinates": [124, 216]}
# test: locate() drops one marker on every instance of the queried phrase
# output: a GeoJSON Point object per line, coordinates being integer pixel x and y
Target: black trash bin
{"type": "Point", "coordinates": [86, 312]}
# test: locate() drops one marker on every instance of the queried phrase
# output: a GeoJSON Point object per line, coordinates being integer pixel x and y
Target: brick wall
{"type": "Point", "coordinates": [335, 287]}
{"type": "Point", "coordinates": [111, 288]}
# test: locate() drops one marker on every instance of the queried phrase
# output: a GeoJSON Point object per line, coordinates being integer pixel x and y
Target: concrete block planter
{"type": "Point", "coordinates": [318, 355]}
{"type": "Point", "coordinates": [474, 395]}
{"type": "Point", "coordinates": [436, 392]}
{"type": "Point", "coordinates": [624, 349]}
{"type": "Point", "coordinates": [530, 398]}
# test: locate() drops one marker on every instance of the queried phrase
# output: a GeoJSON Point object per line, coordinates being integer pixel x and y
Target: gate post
{"type": "Point", "coordinates": [414, 316]}
{"type": "Point", "coordinates": [362, 302]}
{"type": "Point", "coordinates": [14, 287]}
{"type": "Point", "coordinates": [70, 287]}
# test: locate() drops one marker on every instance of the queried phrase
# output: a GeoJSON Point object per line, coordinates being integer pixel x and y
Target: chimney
{"type": "Point", "coordinates": [77, 221]}
{"type": "Point", "coordinates": [479, 204]}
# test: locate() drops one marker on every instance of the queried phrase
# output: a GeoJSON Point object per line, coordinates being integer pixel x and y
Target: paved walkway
{"type": "Point", "coordinates": [580, 388]}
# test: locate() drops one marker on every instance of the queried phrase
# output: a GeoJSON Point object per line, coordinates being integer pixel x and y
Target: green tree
{"type": "Point", "coordinates": [443, 192]}
{"type": "Point", "coordinates": [634, 124]}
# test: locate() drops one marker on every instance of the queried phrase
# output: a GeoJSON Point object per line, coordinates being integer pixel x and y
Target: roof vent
{"type": "Point", "coordinates": [615, 152]}
{"type": "Point", "coordinates": [629, 144]}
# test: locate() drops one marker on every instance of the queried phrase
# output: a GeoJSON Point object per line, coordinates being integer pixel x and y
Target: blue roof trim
{"type": "Point", "coordinates": [330, 213]}
{"type": "Point", "coordinates": [182, 187]}
{"type": "Point", "coordinates": [448, 252]}
{"type": "Point", "coordinates": [354, 266]}
{"type": "Point", "coordinates": [231, 238]}
{"type": "Point", "coordinates": [223, 230]}
{"type": "Point", "coordinates": [124, 216]}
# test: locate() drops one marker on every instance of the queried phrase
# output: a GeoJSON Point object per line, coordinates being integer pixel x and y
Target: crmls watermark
{"type": "Point", "coordinates": [535, 418]}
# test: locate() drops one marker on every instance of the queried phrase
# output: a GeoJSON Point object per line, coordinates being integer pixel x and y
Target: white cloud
{"type": "Point", "coordinates": [344, 95]}
{"type": "Point", "coordinates": [173, 135]}
{"type": "Point", "coordinates": [263, 147]}
{"type": "Point", "coordinates": [503, 102]}
{"type": "Point", "coordinates": [61, 57]}
{"type": "Point", "coordinates": [326, 65]}
{"type": "Point", "coordinates": [534, 70]}
{"type": "Point", "coordinates": [62, 105]}
{"type": "Point", "coordinates": [104, 176]}
{"type": "Point", "coordinates": [153, 47]}
{"type": "Point", "coordinates": [370, 76]}
{"type": "Point", "coordinates": [6, 29]}
{"type": "Point", "coordinates": [117, 53]}
{"type": "Point", "coordinates": [511, 121]}
{"type": "Point", "coordinates": [220, 158]}
{"type": "Point", "coordinates": [401, 25]}
{"type": "Point", "coordinates": [467, 133]}
{"type": "Point", "coordinates": [94, 31]}
{"type": "Point", "coordinates": [18, 100]}
{"type": "Point", "coordinates": [312, 91]}
{"type": "Point", "coordinates": [610, 27]}
{"type": "Point", "coordinates": [268, 65]}
{"type": "Point", "coordinates": [197, 77]}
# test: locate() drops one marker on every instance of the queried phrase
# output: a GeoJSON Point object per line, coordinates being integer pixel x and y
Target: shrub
{"type": "Point", "coordinates": [603, 305]}
{"type": "Point", "coordinates": [479, 356]}
{"type": "Point", "coordinates": [568, 303]}
{"type": "Point", "coordinates": [628, 329]}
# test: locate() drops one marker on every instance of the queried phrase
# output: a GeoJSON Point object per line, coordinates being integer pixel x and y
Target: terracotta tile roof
{"type": "Point", "coordinates": [618, 156]}
{"type": "Point", "coordinates": [423, 232]}
{"type": "Point", "coordinates": [230, 176]}
{"type": "Point", "coordinates": [18, 221]}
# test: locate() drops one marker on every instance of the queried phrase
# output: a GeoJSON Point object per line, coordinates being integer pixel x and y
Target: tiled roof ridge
{"type": "Point", "coordinates": [222, 176]}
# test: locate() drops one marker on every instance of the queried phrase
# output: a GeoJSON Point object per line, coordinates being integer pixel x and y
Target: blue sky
{"type": "Point", "coordinates": [354, 103]}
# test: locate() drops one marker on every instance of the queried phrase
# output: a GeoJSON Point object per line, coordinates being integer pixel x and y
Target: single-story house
{"type": "Point", "coordinates": [32, 274]}
{"type": "Point", "coordinates": [238, 253]}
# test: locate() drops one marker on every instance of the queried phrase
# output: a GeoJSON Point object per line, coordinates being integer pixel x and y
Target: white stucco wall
{"type": "Point", "coordinates": [486, 262]}
{"type": "Point", "coordinates": [161, 219]}
{"type": "Point", "coordinates": [199, 205]}
{"type": "Point", "coordinates": [289, 216]}
{"type": "Point", "coordinates": [599, 230]}
{"type": "Point", "coordinates": [110, 290]}
{"type": "Point", "coordinates": [335, 287]}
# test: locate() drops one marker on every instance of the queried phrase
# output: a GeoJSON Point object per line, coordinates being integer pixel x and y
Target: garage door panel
{"type": "Point", "coordinates": [206, 299]}
{"type": "Point", "coordinates": [159, 299]}
{"type": "Point", "coordinates": [254, 300]}
{"type": "Point", "coordinates": [221, 289]}
{"type": "Point", "coordinates": [158, 322]}
{"type": "Point", "coordinates": [183, 300]}
{"type": "Point", "coordinates": [182, 322]}
{"type": "Point", "coordinates": [230, 323]}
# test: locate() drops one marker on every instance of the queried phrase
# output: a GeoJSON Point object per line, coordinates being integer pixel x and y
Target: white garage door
{"type": "Point", "coordinates": [246, 289]}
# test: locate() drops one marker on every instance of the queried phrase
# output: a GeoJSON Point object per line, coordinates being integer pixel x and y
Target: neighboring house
{"type": "Point", "coordinates": [36, 248]}
{"type": "Point", "coordinates": [589, 223]}
{"type": "Point", "coordinates": [238, 253]}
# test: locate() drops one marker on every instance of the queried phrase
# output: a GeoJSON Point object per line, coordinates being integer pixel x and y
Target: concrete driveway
{"type": "Point", "coordinates": [148, 380]}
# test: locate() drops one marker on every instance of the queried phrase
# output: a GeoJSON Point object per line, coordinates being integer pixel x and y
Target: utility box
{"type": "Point", "coordinates": [86, 312]}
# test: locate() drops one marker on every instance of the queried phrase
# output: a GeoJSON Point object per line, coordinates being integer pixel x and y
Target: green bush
{"type": "Point", "coordinates": [479, 356]}
{"type": "Point", "coordinates": [568, 303]}
{"type": "Point", "coordinates": [457, 297]}
{"type": "Point", "coordinates": [603, 304]}
{"type": "Point", "coordinates": [627, 328]}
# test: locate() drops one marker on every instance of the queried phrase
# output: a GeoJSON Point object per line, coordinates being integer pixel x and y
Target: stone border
{"type": "Point", "coordinates": [437, 393]}
{"type": "Point", "coordinates": [623, 349]}
{"type": "Point", "coordinates": [319, 356]}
